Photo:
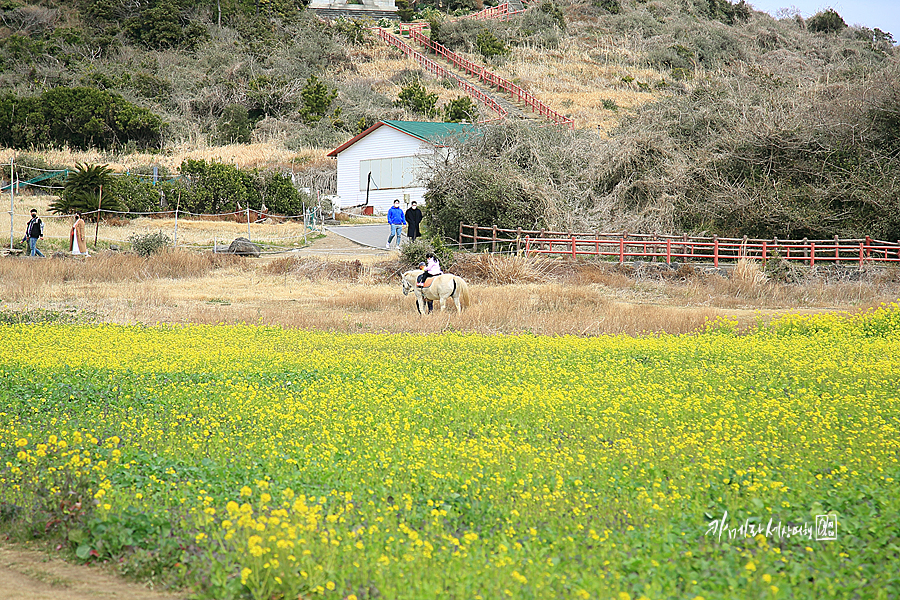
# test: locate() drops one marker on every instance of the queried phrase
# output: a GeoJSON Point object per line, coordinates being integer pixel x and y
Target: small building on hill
{"type": "Point", "coordinates": [389, 161]}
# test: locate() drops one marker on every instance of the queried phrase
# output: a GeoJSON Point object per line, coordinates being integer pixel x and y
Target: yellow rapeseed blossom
{"type": "Point", "coordinates": [300, 463]}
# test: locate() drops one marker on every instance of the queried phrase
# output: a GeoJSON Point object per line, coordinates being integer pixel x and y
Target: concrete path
{"type": "Point", "coordinates": [373, 236]}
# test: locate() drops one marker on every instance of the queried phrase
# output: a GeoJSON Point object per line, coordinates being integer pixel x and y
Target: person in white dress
{"type": "Point", "coordinates": [77, 244]}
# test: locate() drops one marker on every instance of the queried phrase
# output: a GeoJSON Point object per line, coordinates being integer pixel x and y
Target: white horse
{"type": "Point", "coordinates": [441, 287]}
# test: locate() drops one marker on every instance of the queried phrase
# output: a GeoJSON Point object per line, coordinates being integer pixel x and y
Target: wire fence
{"type": "Point", "coordinates": [256, 222]}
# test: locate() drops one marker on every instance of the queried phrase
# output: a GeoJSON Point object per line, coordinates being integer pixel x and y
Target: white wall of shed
{"type": "Point", "coordinates": [384, 142]}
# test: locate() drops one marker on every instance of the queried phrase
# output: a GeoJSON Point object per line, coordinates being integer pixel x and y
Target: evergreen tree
{"type": "Point", "coordinates": [317, 99]}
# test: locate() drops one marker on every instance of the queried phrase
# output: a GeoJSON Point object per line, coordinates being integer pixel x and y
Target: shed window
{"type": "Point", "coordinates": [387, 173]}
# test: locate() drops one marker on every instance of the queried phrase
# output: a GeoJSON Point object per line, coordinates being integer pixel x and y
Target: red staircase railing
{"type": "Point", "coordinates": [440, 71]}
{"type": "Point", "coordinates": [483, 74]}
{"type": "Point", "coordinates": [414, 30]}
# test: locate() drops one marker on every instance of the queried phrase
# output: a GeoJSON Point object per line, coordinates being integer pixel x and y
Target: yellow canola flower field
{"type": "Point", "coordinates": [256, 462]}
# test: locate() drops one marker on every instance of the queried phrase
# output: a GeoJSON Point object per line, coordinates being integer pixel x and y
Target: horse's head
{"type": "Point", "coordinates": [407, 280]}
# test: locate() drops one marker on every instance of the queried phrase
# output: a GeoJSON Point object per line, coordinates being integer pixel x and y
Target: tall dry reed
{"type": "Point", "coordinates": [569, 299]}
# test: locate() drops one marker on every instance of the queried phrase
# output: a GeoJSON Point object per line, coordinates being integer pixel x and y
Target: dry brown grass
{"type": "Point", "coordinates": [247, 156]}
{"type": "Point", "coordinates": [749, 272]}
{"type": "Point", "coordinates": [356, 296]}
{"type": "Point", "coordinates": [503, 270]}
{"type": "Point", "coordinates": [571, 81]}
{"type": "Point", "coordinates": [316, 269]}
{"type": "Point", "coordinates": [194, 231]}
{"type": "Point", "coordinates": [28, 279]}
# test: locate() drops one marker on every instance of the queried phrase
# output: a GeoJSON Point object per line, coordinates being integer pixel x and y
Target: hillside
{"type": "Point", "coordinates": [696, 115]}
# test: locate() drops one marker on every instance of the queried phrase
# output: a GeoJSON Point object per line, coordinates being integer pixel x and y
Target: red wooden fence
{"type": "Point", "coordinates": [669, 247]}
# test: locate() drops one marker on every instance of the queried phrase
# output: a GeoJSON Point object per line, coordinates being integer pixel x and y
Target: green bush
{"type": "Point", "coordinates": [317, 99]}
{"type": "Point", "coordinates": [414, 253]}
{"type": "Point", "coordinates": [416, 98]}
{"type": "Point", "coordinates": [234, 125]}
{"type": "Point", "coordinates": [827, 21]}
{"type": "Point", "coordinates": [146, 244]}
{"type": "Point", "coordinates": [613, 7]}
{"type": "Point", "coordinates": [354, 30]}
{"type": "Point", "coordinates": [404, 11]}
{"type": "Point", "coordinates": [460, 109]}
{"type": "Point", "coordinates": [489, 45]}
{"type": "Point", "coordinates": [279, 194]}
{"type": "Point", "coordinates": [78, 117]}
{"type": "Point", "coordinates": [141, 195]}
{"type": "Point", "coordinates": [216, 187]}
{"type": "Point", "coordinates": [555, 13]}
{"type": "Point", "coordinates": [162, 26]}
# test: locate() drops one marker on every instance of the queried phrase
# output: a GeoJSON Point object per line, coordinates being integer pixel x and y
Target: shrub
{"type": "Point", "coordinates": [404, 11]}
{"type": "Point", "coordinates": [613, 7]}
{"type": "Point", "coordinates": [317, 99]}
{"type": "Point", "coordinates": [356, 31]}
{"type": "Point", "coordinates": [161, 26]}
{"type": "Point", "coordinates": [490, 45]}
{"type": "Point", "coordinates": [414, 252]}
{"type": "Point", "coordinates": [146, 244]}
{"type": "Point", "coordinates": [216, 187]}
{"type": "Point", "coordinates": [827, 21]}
{"type": "Point", "coordinates": [725, 11]}
{"type": "Point", "coordinates": [460, 109]}
{"type": "Point", "coordinates": [416, 98]}
{"type": "Point", "coordinates": [279, 194]}
{"type": "Point", "coordinates": [78, 117]}
{"type": "Point", "coordinates": [555, 12]}
{"type": "Point", "coordinates": [234, 125]}
{"type": "Point", "coordinates": [141, 195]}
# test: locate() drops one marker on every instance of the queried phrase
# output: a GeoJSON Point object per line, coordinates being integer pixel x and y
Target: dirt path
{"type": "Point", "coordinates": [32, 575]}
{"type": "Point", "coordinates": [339, 247]}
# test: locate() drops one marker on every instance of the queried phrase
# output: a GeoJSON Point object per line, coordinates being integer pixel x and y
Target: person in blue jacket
{"type": "Point", "coordinates": [396, 220]}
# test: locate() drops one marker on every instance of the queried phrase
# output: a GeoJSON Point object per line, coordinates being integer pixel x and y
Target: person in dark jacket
{"type": "Point", "coordinates": [413, 218]}
{"type": "Point", "coordinates": [34, 231]}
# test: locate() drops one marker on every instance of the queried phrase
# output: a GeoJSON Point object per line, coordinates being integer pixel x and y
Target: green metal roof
{"type": "Point", "coordinates": [434, 132]}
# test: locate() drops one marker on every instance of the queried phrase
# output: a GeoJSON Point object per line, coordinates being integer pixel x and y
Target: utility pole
{"type": "Point", "coordinates": [99, 204]}
{"type": "Point", "coordinates": [177, 205]}
{"type": "Point", "coordinates": [12, 182]}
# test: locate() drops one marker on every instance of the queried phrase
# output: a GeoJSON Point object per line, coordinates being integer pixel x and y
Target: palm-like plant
{"type": "Point", "coordinates": [82, 190]}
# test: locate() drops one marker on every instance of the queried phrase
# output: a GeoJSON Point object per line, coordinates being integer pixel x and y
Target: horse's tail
{"type": "Point", "coordinates": [464, 299]}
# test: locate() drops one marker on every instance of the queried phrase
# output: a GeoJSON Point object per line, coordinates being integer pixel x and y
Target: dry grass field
{"type": "Point", "coordinates": [197, 234]}
{"type": "Point", "coordinates": [244, 156]}
{"type": "Point", "coordinates": [335, 285]}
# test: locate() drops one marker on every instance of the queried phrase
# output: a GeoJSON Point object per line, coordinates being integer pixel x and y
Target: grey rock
{"type": "Point", "coordinates": [243, 247]}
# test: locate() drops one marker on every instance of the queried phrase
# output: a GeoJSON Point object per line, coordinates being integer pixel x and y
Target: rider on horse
{"type": "Point", "coordinates": [432, 269]}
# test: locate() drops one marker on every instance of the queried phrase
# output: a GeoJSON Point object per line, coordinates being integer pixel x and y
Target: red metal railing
{"type": "Point", "coordinates": [669, 247]}
{"type": "Point", "coordinates": [483, 74]}
{"type": "Point", "coordinates": [440, 71]}
{"type": "Point", "coordinates": [414, 31]}
{"type": "Point", "coordinates": [501, 12]}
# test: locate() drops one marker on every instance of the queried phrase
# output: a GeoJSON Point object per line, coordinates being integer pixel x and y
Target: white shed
{"type": "Point", "coordinates": [389, 161]}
